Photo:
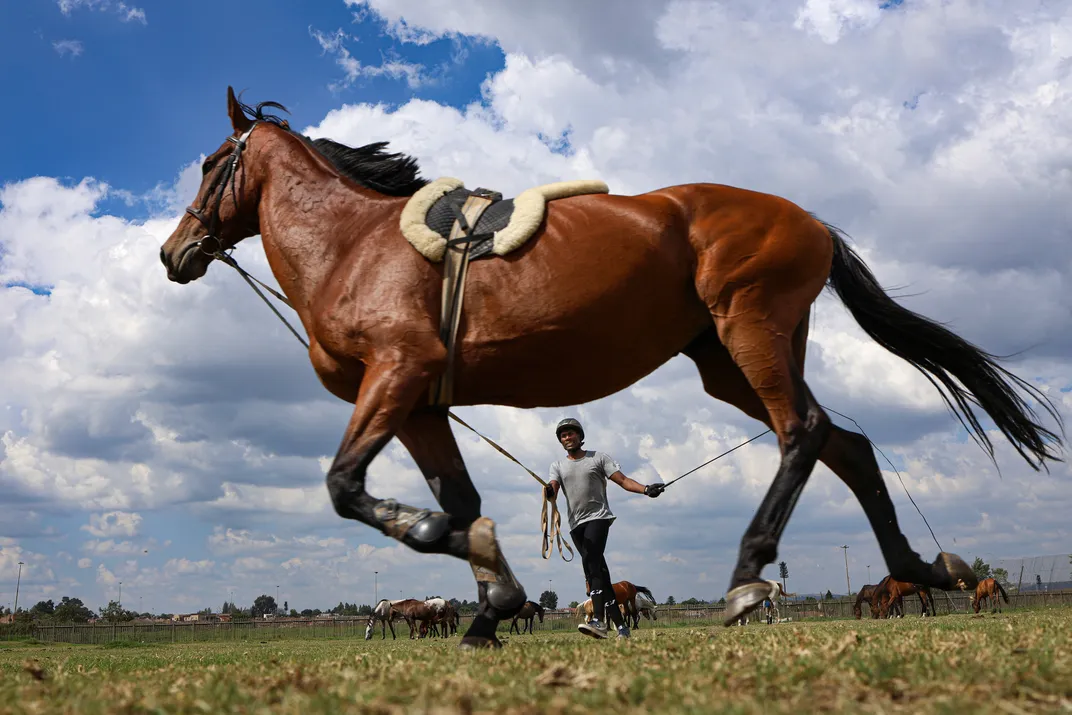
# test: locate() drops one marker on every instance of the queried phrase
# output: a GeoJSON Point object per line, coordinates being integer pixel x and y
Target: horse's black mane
{"type": "Point", "coordinates": [371, 166]}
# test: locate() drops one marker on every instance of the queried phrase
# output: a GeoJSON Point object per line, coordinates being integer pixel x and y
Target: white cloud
{"type": "Point", "coordinates": [113, 523]}
{"type": "Point", "coordinates": [85, 563]}
{"type": "Point", "coordinates": [74, 48]}
{"type": "Point", "coordinates": [126, 13]}
{"type": "Point", "coordinates": [391, 67]}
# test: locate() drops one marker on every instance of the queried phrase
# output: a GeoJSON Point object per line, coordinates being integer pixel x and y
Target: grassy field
{"type": "Point", "coordinates": [1013, 663]}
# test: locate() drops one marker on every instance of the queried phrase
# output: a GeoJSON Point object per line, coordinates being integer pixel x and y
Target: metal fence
{"type": "Point", "coordinates": [348, 627]}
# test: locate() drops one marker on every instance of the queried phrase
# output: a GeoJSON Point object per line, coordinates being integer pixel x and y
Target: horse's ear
{"type": "Point", "coordinates": [239, 121]}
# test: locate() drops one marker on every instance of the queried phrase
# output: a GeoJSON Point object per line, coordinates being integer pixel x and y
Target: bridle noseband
{"type": "Point", "coordinates": [210, 243]}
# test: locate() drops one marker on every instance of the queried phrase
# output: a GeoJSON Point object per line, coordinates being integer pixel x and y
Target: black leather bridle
{"type": "Point", "coordinates": [210, 243]}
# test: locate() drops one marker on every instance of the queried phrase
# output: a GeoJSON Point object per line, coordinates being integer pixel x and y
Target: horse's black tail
{"type": "Point", "coordinates": [646, 591]}
{"type": "Point", "coordinates": [1002, 591]}
{"type": "Point", "coordinates": [963, 374]}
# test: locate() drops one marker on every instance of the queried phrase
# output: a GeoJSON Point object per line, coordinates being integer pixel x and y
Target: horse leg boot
{"type": "Point", "coordinates": [388, 392]}
{"type": "Point", "coordinates": [427, 435]}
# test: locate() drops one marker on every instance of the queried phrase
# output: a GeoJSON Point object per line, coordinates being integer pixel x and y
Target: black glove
{"type": "Point", "coordinates": [549, 492]}
{"type": "Point", "coordinates": [654, 490]}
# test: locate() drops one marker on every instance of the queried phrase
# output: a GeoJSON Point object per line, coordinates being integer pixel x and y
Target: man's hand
{"type": "Point", "coordinates": [549, 492]}
{"type": "Point", "coordinates": [654, 490]}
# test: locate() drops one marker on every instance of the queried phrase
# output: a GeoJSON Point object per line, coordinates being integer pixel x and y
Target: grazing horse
{"type": "Point", "coordinates": [418, 615]}
{"type": "Point", "coordinates": [889, 596]}
{"type": "Point", "coordinates": [445, 616]}
{"type": "Point", "coordinates": [528, 613]}
{"type": "Point", "coordinates": [625, 593]}
{"type": "Point", "coordinates": [382, 613]}
{"type": "Point", "coordinates": [864, 596]}
{"type": "Point", "coordinates": [645, 605]}
{"type": "Point", "coordinates": [613, 285]}
{"type": "Point", "coordinates": [988, 589]}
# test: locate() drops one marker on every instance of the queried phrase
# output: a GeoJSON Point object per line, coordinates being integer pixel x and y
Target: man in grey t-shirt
{"type": "Point", "coordinates": [583, 475]}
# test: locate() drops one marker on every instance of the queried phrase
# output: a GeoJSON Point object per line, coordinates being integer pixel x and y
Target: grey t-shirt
{"type": "Point", "coordinates": [584, 482]}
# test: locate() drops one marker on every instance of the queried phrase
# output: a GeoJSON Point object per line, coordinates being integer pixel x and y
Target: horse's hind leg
{"type": "Point", "coordinates": [427, 435]}
{"type": "Point", "coordinates": [762, 352]}
{"type": "Point", "coordinates": [848, 454]}
{"type": "Point", "coordinates": [852, 459]}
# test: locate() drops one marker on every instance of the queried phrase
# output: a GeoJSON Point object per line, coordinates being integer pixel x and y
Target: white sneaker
{"type": "Point", "coordinates": [593, 628]}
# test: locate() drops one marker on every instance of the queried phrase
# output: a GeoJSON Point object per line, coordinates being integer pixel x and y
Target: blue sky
{"type": "Point", "coordinates": [175, 438]}
{"type": "Point", "coordinates": [142, 97]}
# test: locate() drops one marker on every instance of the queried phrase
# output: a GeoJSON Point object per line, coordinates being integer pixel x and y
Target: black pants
{"type": "Point", "coordinates": [590, 539]}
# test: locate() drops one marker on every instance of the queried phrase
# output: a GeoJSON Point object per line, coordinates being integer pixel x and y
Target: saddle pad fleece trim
{"type": "Point", "coordinates": [528, 212]}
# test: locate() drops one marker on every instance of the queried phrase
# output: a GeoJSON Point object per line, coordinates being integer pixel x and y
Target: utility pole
{"type": "Point", "coordinates": [375, 588]}
{"type": "Point", "coordinates": [120, 594]}
{"type": "Point", "coordinates": [848, 588]}
{"type": "Point", "coordinates": [18, 583]}
{"type": "Point", "coordinates": [869, 573]}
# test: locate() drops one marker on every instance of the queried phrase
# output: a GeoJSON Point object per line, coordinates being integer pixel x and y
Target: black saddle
{"type": "Point", "coordinates": [448, 209]}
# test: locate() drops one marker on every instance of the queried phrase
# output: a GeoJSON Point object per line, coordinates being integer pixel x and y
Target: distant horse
{"type": "Point", "coordinates": [864, 596]}
{"type": "Point", "coordinates": [625, 593]}
{"type": "Point", "coordinates": [528, 613]}
{"type": "Point", "coordinates": [988, 589]}
{"type": "Point", "coordinates": [889, 595]}
{"type": "Point", "coordinates": [646, 607]}
{"type": "Point", "coordinates": [382, 613]}
{"type": "Point", "coordinates": [615, 285]}
{"type": "Point", "coordinates": [417, 614]}
{"type": "Point", "coordinates": [445, 616]}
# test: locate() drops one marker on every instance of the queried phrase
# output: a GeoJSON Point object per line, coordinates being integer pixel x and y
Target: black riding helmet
{"type": "Point", "coordinates": [569, 423]}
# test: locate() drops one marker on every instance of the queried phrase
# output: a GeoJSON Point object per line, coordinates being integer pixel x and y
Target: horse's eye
{"type": "Point", "coordinates": [206, 167]}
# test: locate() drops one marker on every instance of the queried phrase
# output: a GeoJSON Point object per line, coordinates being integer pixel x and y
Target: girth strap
{"type": "Point", "coordinates": [455, 269]}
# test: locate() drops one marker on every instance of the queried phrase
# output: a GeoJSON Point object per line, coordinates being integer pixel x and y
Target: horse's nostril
{"type": "Point", "coordinates": [163, 258]}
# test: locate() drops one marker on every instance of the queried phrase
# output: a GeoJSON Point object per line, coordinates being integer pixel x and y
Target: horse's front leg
{"type": "Point", "coordinates": [427, 435]}
{"type": "Point", "coordinates": [389, 390]}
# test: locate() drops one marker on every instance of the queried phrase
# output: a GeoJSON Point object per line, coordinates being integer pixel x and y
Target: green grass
{"type": "Point", "coordinates": [1016, 662]}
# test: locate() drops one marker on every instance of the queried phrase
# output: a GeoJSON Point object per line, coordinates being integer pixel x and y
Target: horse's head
{"type": "Point", "coordinates": [539, 611]}
{"type": "Point", "coordinates": [225, 209]}
{"type": "Point", "coordinates": [368, 628]}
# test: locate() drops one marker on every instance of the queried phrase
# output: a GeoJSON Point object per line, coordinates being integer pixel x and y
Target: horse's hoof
{"type": "Point", "coordinates": [743, 599]}
{"type": "Point", "coordinates": [479, 643]}
{"type": "Point", "coordinates": [955, 573]}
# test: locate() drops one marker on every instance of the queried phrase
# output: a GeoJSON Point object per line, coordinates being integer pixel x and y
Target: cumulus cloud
{"type": "Point", "coordinates": [935, 133]}
{"type": "Point", "coordinates": [113, 523]}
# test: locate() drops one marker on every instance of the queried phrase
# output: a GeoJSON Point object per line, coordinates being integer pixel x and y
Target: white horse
{"type": "Point", "coordinates": [645, 606]}
{"type": "Point", "coordinates": [383, 613]}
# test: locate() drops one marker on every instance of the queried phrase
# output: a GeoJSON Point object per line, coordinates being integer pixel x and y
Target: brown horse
{"type": "Point", "coordinates": [625, 593]}
{"type": "Point", "coordinates": [528, 613]}
{"type": "Point", "coordinates": [864, 596]}
{"type": "Point", "coordinates": [988, 589]}
{"type": "Point", "coordinates": [418, 615]}
{"type": "Point", "coordinates": [889, 594]}
{"type": "Point", "coordinates": [613, 286]}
